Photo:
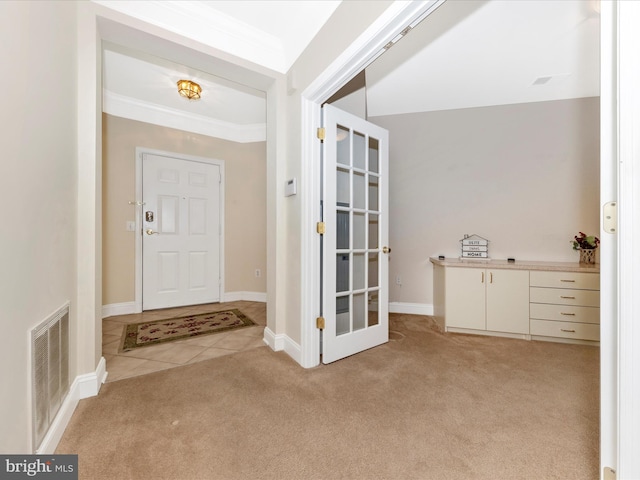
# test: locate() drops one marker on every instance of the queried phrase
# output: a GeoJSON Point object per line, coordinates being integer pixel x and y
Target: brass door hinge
{"type": "Point", "coordinates": [320, 323]}
{"type": "Point", "coordinates": [320, 228]}
{"type": "Point", "coordinates": [321, 133]}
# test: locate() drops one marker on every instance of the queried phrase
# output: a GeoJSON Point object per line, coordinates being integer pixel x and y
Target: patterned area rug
{"type": "Point", "coordinates": [159, 331]}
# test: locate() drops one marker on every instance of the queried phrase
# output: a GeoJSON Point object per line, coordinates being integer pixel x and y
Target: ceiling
{"type": "Point", "coordinates": [480, 53]}
{"type": "Point", "coordinates": [144, 88]}
{"type": "Point", "coordinates": [468, 53]}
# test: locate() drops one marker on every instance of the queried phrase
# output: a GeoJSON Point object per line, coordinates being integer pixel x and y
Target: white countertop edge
{"type": "Point", "coordinates": [517, 265]}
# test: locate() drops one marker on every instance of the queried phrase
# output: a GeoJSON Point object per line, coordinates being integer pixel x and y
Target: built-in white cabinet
{"type": "Point", "coordinates": [565, 305]}
{"type": "Point", "coordinates": [539, 300]}
{"type": "Point", "coordinates": [487, 300]}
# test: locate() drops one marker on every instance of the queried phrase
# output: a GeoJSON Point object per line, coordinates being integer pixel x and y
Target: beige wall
{"type": "Point", "coordinates": [38, 195]}
{"type": "Point", "coordinates": [245, 202]}
{"type": "Point", "coordinates": [525, 176]}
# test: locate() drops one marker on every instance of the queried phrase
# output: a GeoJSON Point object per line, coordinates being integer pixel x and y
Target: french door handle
{"type": "Point", "coordinates": [148, 231]}
{"type": "Point", "coordinates": [386, 250]}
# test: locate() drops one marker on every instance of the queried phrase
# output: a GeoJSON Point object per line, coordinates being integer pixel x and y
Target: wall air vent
{"type": "Point", "coordinates": [50, 371]}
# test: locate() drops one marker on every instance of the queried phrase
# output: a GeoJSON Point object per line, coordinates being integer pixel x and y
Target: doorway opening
{"type": "Point", "coordinates": [144, 126]}
{"type": "Point", "coordinates": [244, 267]}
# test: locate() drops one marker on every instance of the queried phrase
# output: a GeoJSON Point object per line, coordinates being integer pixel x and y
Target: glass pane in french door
{"type": "Point", "coordinates": [357, 245]}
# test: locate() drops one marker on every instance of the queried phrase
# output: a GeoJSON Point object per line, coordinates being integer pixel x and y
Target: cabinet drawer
{"type": "Point", "coordinates": [578, 331]}
{"type": "Point", "coordinates": [561, 296]}
{"type": "Point", "coordinates": [588, 281]}
{"type": "Point", "coordinates": [564, 313]}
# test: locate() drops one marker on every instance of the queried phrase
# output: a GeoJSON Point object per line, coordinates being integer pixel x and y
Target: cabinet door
{"type": "Point", "coordinates": [465, 298]}
{"type": "Point", "coordinates": [508, 301]}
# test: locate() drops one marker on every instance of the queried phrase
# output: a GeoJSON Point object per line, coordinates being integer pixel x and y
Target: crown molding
{"type": "Point", "coordinates": [133, 109]}
{"type": "Point", "coordinates": [209, 27]}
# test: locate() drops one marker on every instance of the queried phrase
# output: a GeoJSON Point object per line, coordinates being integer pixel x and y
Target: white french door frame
{"type": "Point", "coordinates": [140, 152]}
{"type": "Point", "coordinates": [369, 46]}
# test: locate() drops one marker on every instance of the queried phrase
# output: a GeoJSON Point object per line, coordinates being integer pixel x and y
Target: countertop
{"type": "Point", "coordinates": [517, 265]}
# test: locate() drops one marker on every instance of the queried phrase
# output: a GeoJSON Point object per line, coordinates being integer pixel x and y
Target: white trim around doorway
{"type": "Point", "coordinates": [628, 228]}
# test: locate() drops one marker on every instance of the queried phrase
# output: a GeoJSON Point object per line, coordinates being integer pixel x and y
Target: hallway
{"type": "Point", "coordinates": [140, 361]}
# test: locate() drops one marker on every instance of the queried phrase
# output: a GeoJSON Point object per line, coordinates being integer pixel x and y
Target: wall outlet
{"type": "Point", "coordinates": [398, 280]}
{"type": "Point", "coordinates": [258, 273]}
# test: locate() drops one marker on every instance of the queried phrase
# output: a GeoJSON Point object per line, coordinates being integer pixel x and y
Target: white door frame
{"type": "Point", "coordinates": [623, 349]}
{"type": "Point", "coordinates": [609, 244]}
{"type": "Point", "coordinates": [368, 47]}
{"type": "Point", "coordinates": [140, 151]}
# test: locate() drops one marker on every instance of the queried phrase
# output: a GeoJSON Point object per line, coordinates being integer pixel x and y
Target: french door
{"type": "Point", "coordinates": [355, 256]}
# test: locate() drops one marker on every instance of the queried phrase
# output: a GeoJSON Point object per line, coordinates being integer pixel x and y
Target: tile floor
{"type": "Point", "coordinates": [144, 360]}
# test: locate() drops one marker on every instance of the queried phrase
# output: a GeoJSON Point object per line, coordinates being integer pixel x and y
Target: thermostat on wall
{"type": "Point", "coordinates": [290, 187]}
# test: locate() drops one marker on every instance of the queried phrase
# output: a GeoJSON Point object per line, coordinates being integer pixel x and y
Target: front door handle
{"type": "Point", "coordinates": [386, 250]}
{"type": "Point", "coordinates": [151, 232]}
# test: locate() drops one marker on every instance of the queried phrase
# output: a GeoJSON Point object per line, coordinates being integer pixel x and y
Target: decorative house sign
{"type": "Point", "coordinates": [474, 246]}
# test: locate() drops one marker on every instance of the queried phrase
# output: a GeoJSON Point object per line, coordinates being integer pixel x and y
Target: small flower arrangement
{"type": "Point", "coordinates": [583, 241]}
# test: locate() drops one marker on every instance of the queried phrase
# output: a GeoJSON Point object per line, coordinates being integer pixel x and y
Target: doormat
{"type": "Point", "coordinates": [160, 331]}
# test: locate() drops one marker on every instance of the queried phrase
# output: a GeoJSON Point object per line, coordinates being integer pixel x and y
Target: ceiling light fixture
{"type": "Point", "coordinates": [189, 89]}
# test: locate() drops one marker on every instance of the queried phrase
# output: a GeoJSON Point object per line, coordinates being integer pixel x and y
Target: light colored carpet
{"type": "Point", "coordinates": [426, 405]}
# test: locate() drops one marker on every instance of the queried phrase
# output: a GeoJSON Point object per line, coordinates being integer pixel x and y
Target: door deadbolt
{"type": "Point", "coordinates": [148, 216]}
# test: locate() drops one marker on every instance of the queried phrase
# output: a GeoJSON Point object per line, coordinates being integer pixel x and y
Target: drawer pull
{"type": "Point", "coordinates": [569, 298]}
{"type": "Point", "coordinates": [571, 314]}
{"type": "Point", "coordinates": [570, 281]}
{"type": "Point", "coordinates": [567, 330]}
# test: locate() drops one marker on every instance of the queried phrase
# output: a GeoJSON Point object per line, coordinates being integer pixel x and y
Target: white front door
{"type": "Point", "coordinates": [180, 232]}
{"type": "Point", "coordinates": [355, 253]}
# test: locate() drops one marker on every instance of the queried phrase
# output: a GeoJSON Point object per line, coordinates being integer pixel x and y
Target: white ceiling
{"type": "Point", "coordinates": [468, 53]}
{"type": "Point", "coordinates": [479, 53]}
{"type": "Point", "coordinates": [144, 88]}
{"type": "Point", "coordinates": [270, 33]}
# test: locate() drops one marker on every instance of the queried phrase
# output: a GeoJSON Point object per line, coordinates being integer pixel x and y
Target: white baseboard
{"type": "Point", "coordinates": [282, 342]}
{"type": "Point", "coordinates": [293, 349]}
{"type": "Point", "coordinates": [248, 296]}
{"type": "Point", "coordinates": [83, 386]}
{"type": "Point", "coordinates": [411, 308]}
{"type": "Point", "coordinates": [273, 341]}
{"type": "Point", "coordinates": [127, 308]}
